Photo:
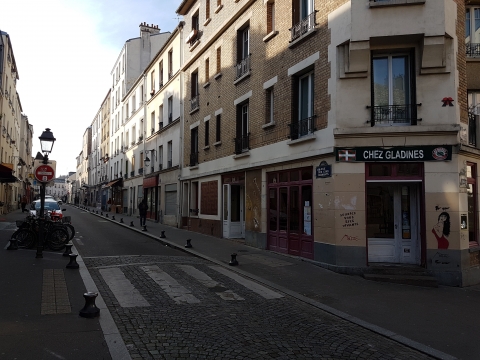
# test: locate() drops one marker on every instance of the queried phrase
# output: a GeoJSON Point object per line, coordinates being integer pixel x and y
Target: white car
{"type": "Point", "coordinates": [50, 205]}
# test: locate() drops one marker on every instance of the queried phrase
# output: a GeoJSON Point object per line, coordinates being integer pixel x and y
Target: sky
{"type": "Point", "coordinates": [65, 51]}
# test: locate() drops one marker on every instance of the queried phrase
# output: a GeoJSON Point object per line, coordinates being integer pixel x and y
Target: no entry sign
{"type": "Point", "coordinates": [44, 173]}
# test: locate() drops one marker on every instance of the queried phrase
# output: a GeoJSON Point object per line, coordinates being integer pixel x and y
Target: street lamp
{"type": "Point", "coordinates": [46, 145]}
{"type": "Point", "coordinates": [147, 159]}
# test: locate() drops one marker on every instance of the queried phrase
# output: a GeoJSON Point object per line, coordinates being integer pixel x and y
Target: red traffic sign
{"type": "Point", "coordinates": [44, 173]}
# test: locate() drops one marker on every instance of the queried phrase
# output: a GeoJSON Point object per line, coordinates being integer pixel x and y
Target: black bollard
{"type": "Point", "coordinates": [13, 244]}
{"type": "Point", "coordinates": [73, 262]}
{"type": "Point", "coordinates": [188, 245]}
{"type": "Point", "coordinates": [90, 310]}
{"type": "Point", "coordinates": [68, 249]}
{"type": "Point", "coordinates": [101, 213]}
{"type": "Point", "coordinates": [106, 215]}
{"type": "Point", "coordinates": [144, 228]}
{"type": "Point", "coordinates": [97, 211]}
{"type": "Point", "coordinates": [131, 223]}
{"type": "Point", "coordinates": [113, 217]}
{"type": "Point", "coordinates": [121, 220]}
{"type": "Point", "coordinates": [234, 261]}
{"type": "Point", "coordinates": [162, 235]}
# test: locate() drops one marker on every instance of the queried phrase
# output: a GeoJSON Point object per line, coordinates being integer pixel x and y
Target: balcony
{"type": "Point", "coordinates": [242, 144]}
{"type": "Point", "coordinates": [125, 176]}
{"type": "Point", "coordinates": [132, 173]}
{"type": "Point", "coordinates": [170, 75]}
{"type": "Point", "coordinates": [394, 114]}
{"type": "Point", "coordinates": [169, 164]}
{"type": "Point", "coordinates": [194, 158]}
{"type": "Point", "coordinates": [195, 103]}
{"type": "Point", "coordinates": [242, 68]}
{"type": "Point", "coordinates": [472, 49]}
{"type": "Point", "coordinates": [303, 27]}
{"type": "Point", "coordinates": [472, 129]}
{"type": "Point", "coordinates": [302, 127]}
{"type": "Point", "coordinates": [160, 167]}
{"type": "Point", "coordinates": [140, 171]}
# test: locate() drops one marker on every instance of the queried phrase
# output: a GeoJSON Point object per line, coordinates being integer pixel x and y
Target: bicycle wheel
{"type": "Point", "coordinates": [25, 238]}
{"type": "Point", "coordinates": [70, 229]}
{"type": "Point", "coordinates": [57, 238]}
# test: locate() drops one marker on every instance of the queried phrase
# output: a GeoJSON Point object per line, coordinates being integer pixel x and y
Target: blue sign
{"type": "Point", "coordinates": [324, 170]}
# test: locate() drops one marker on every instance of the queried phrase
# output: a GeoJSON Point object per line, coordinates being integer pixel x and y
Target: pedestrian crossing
{"type": "Point", "coordinates": [178, 291]}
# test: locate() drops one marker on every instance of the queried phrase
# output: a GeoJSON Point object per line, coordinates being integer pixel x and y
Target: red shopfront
{"type": "Point", "coordinates": [150, 189]}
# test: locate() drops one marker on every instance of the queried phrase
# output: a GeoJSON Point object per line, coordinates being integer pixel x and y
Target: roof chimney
{"type": "Point", "coordinates": [146, 29]}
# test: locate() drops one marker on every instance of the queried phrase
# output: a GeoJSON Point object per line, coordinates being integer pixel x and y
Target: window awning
{"type": "Point", "coordinates": [116, 182]}
{"type": "Point", "coordinates": [6, 175]}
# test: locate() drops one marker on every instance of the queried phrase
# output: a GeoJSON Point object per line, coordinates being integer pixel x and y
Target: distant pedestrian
{"type": "Point", "coordinates": [142, 208]}
{"type": "Point", "coordinates": [24, 203]}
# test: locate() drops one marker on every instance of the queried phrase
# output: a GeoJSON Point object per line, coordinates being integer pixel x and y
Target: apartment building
{"type": "Point", "coordinates": [13, 166]}
{"type": "Point", "coordinates": [163, 119]}
{"type": "Point", "coordinates": [127, 100]}
{"type": "Point", "coordinates": [309, 131]}
{"type": "Point", "coordinates": [103, 156]}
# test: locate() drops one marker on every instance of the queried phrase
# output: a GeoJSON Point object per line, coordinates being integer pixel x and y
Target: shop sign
{"type": "Point", "coordinates": [324, 170]}
{"type": "Point", "coordinates": [150, 182]}
{"type": "Point", "coordinates": [395, 153]}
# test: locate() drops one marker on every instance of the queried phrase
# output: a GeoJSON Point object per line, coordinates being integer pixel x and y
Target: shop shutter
{"type": "Point", "coordinates": [170, 202]}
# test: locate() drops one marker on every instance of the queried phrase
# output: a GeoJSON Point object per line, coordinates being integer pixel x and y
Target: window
{"type": "Point", "coordinates": [194, 146]}
{"type": "Point", "coordinates": [207, 69]}
{"type": "Point", "coordinates": [218, 127]}
{"type": "Point", "coordinates": [169, 154]}
{"type": "Point", "coordinates": [170, 64]}
{"type": "Point", "coordinates": [303, 18]}
{"type": "Point", "coordinates": [134, 103]}
{"type": "Point", "coordinates": [472, 31]}
{"type": "Point", "coordinates": [194, 100]}
{"type": "Point", "coordinates": [141, 95]}
{"type": "Point", "coordinates": [160, 73]}
{"type": "Point", "coordinates": [152, 122]}
{"type": "Point", "coordinates": [270, 17]}
{"type": "Point", "coordinates": [170, 109]}
{"type": "Point", "coordinates": [152, 82]}
{"type": "Point", "coordinates": [207, 9]}
{"type": "Point", "coordinates": [243, 52]}
{"type": "Point", "coordinates": [219, 60]}
{"type": "Point", "coordinates": [160, 157]}
{"type": "Point", "coordinates": [207, 132]}
{"type": "Point", "coordinates": [133, 166]}
{"type": "Point", "coordinates": [269, 118]}
{"type": "Point", "coordinates": [242, 134]}
{"type": "Point", "coordinates": [392, 84]}
{"type": "Point", "coordinates": [160, 116]}
{"type": "Point", "coordinates": [195, 22]}
{"type": "Point", "coordinates": [304, 117]}
{"type": "Point", "coordinates": [473, 116]}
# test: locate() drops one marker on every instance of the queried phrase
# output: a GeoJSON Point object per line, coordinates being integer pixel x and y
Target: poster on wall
{"type": "Point", "coordinates": [307, 218]}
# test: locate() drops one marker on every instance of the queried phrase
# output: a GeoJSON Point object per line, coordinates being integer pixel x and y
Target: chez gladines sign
{"type": "Point", "coordinates": [395, 153]}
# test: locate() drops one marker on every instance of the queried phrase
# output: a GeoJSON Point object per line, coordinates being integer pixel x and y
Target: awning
{"type": "Point", "coordinates": [6, 175]}
{"type": "Point", "coordinates": [116, 182]}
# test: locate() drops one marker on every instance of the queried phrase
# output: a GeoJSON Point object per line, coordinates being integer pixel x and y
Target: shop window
{"type": "Point", "coordinates": [472, 195]}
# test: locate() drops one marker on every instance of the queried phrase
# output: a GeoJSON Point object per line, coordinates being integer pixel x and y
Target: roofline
{"type": "Point", "coordinates": [185, 6]}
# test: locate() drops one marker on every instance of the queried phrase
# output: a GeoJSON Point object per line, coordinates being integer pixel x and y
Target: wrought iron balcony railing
{"type": "Point", "coordinates": [472, 49]}
{"type": "Point", "coordinates": [303, 27]}
{"type": "Point", "coordinates": [194, 103]}
{"type": "Point", "coordinates": [132, 173]}
{"type": "Point", "coordinates": [242, 144]}
{"type": "Point", "coordinates": [472, 129]}
{"type": "Point", "coordinates": [302, 127]}
{"type": "Point", "coordinates": [140, 171]}
{"type": "Point", "coordinates": [243, 67]}
{"type": "Point", "coordinates": [193, 158]}
{"type": "Point", "coordinates": [394, 114]}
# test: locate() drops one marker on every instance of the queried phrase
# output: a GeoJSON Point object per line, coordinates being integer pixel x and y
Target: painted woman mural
{"type": "Point", "coordinates": [441, 230]}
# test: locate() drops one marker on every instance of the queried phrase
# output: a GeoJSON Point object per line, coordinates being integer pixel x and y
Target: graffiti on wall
{"type": "Point", "coordinates": [349, 219]}
{"type": "Point", "coordinates": [441, 230]}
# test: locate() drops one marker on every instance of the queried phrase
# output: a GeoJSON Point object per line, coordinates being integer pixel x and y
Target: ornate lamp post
{"type": "Point", "coordinates": [46, 145]}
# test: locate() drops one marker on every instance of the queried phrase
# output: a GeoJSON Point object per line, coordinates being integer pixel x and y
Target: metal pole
{"type": "Point", "coordinates": [41, 229]}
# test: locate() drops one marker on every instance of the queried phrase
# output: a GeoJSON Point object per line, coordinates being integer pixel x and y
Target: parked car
{"type": "Point", "coordinates": [50, 205]}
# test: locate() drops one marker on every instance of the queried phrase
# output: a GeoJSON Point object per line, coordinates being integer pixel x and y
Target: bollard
{"type": "Point", "coordinates": [233, 261]}
{"type": "Point", "coordinates": [121, 220]}
{"type": "Point", "coordinates": [188, 243]}
{"type": "Point", "coordinates": [162, 235]}
{"type": "Point", "coordinates": [144, 228]}
{"type": "Point", "coordinates": [68, 249]}
{"type": "Point", "coordinates": [90, 310]}
{"type": "Point", "coordinates": [113, 217]}
{"type": "Point", "coordinates": [131, 223]}
{"type": "Point", "coordinates": [97, 211]}
{"type": "Point", "coordinates": [106, 215]}
{"type": "Point", "coordinates": [101, 213]}
{"type": "Point", "coordinates": [73, 262]}
{"type": "Point", "coordinates": [13, 244]}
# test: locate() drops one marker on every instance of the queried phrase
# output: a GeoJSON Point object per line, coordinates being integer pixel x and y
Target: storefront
{"type": "Point", "coordinates": [233, 213]}
{"type": "Point", "coordinates": [151, 196]}
{"type": "Point", "coordinates": [115, 201]}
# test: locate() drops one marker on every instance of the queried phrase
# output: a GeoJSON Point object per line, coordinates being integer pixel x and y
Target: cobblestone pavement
{"type": "Point", "coordinates": [192, 309]}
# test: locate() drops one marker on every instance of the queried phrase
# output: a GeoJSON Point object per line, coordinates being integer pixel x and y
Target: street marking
{"type": "Point", "coordinates": [206, 280]}
{"type": "Point", "coordinates": [122, 288]}
{"type": "Point", "coordinates": [54, 293]}
{"type": "Point", "coordinates": [177, 292]}
{"type": "Point", "coordinates": [80, 242]}
{"type": "Point", "coordinates": [259, 289]}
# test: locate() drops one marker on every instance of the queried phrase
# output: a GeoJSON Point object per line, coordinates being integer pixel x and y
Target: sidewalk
{"type": "Point", "coordinates": [436, 321]}
{"type": "Point", "coordinates": [40, 304]}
